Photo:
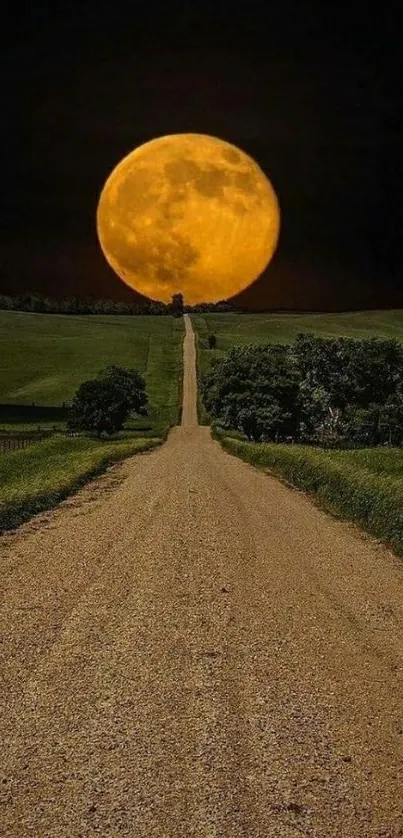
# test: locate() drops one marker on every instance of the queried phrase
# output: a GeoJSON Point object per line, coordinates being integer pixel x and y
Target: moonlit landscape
{"type": "Point", "coordinates": [201, 421]}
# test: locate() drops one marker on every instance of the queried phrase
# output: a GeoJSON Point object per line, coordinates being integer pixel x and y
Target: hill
{"type": "Point", "coordinates": [234, 329]}
{"type": "Point", "coordinates": [44, 358]}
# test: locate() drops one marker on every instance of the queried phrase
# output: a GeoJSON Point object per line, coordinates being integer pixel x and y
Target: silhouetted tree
{"type": "Point", "coordinates": [76, 305]}
{"type": "Point", "coordinates": [220, 306]}
{"type": "Point", "coordinates": [176, 305]}
{"type": "Point", "coordinates": [7, 303]}
{"type": "Point", "coordinates": [156, 307]}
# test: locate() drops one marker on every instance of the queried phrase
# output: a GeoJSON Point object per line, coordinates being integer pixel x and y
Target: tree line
{"type": "Point", "coordinates": [337, 392]}
{"type": "Point", "coordinates": [90, 305]}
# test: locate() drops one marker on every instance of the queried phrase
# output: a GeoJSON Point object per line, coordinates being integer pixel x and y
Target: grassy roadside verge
{"type": "Point", "coordinates": [348, 486]}
{"type": "Point", "coordinates": [39, 477]}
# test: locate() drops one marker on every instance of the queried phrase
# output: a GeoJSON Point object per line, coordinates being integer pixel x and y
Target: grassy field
{"type": "Point", "coordinates": [44, 358]}
{"type": "Point", "coordinates": [42, 475]}
{"type": "Point", "coordinates": [386, 462]}
{"type": "Point", "coordinates": [240, 329]}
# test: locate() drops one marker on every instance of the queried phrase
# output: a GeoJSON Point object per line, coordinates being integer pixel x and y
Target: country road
{"type": "Point", "coordinates": [190, 648]}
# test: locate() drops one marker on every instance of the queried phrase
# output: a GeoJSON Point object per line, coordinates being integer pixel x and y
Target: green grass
{"type": "Point", "coordinates": [241, 329]}
{"type": "Point", "coordinates": [364, 486]}
{"type": "Point", "coordinates": [385, 462]}
{"type": "Point", "coordinates": [40, 476]}
{"type": "Point", "coordinates": [44, 358]}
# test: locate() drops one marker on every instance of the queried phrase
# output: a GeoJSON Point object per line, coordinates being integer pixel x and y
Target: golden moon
{"type": "Point", "coordinates": [190, 214]}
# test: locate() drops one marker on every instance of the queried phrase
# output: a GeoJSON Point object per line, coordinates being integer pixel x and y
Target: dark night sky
{"type": "Point", "coordinates": [311, 93]}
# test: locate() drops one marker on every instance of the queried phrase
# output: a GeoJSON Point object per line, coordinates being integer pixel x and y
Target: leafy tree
{"type": "Point", "coordinates": [350, 371]}
{"type": "Point", "coordinates": [131, 385]}
{"type": "Point", "coordinates": [98, 406]}
{"type": "Point", "coordinates": [105, 403]}
{"type": "Point", "coordinates": [314, 405]}
{"type": "Point", "coordinates": [263, 421]}
{"type": "Point", "coordinates": [254, 389]}
{"type": "Point", "coordinates": [391, 418]}
{"type": "Point", "coordinates": [354, 379]}
{"type": "Point", "coordinates": [362, 424]}
{"type": "Point", "coordinates": [320, 391]}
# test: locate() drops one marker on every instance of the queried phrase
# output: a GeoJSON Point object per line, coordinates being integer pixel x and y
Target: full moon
{"type": "Point", "coordinates": [190, 214]}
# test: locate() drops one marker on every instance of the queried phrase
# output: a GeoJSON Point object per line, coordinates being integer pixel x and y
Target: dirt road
{"type": "Point", "coordinates": [189, 648]}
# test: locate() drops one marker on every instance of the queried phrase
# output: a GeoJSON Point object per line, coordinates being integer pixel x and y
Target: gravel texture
{"type": "Point", "coordinates": [190, 648]}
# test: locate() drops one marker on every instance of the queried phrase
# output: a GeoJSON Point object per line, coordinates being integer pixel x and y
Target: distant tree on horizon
{"type": "Point", "coordinates": [74, 304]}
{"type": "Point", "coordinates": [176, 305]}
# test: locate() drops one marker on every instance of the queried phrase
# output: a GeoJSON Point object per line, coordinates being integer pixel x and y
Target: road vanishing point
{"type": "Point", "coordinates": [191, 648]}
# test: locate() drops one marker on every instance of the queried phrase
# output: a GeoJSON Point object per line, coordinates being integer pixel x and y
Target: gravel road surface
{"type": "Point", "coordinates": [190, 648]}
